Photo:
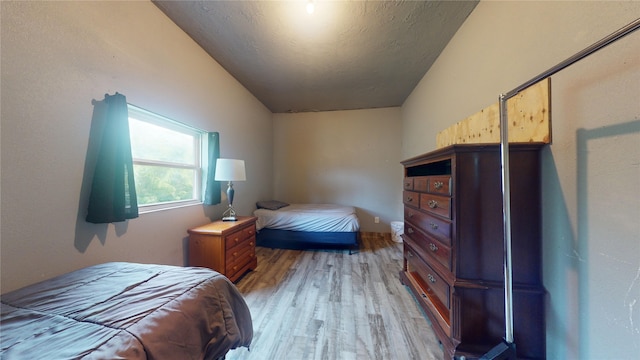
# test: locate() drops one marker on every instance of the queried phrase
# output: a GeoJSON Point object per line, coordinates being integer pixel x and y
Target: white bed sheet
{"type": "Point", "coordinates": [309, 217]}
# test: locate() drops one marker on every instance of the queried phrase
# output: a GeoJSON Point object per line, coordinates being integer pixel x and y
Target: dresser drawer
{"type": "Point", "coordinates": [421, 183]}
{"type": "Point", "coordinates": [436, 204]}
{"type": "Point", "coordinates": [431, 225]}
{"type": "Point", "coordinates": [428, 247]}
{"type": "Point", "coordinates": [429, 280]}
{"type": "Point", "coordinates": [408, 183]}
{"type": "Point", "coordinates": [411, 198]}
{"type": "Point", "coordinates": [440, 184]}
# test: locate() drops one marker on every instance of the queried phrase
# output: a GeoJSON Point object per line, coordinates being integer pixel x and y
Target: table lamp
{"type": "Point", "coordinates": [230, 170]}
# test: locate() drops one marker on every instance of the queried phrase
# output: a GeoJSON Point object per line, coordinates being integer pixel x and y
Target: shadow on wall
{"type": "Point", "coordinates": [561, 264]}
{"type": "Point", "coordinates": [606, 240]}
{"type": "Point", "coordinates": [574, 263]}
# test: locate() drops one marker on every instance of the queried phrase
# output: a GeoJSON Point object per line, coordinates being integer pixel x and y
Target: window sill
{"type": "Point", "coordinates": [146, 209]}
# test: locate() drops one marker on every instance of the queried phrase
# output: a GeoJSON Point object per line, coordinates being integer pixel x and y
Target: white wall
{"type": "Point", "coordinates": [342, 157]}
{"type": "Point", "coordinates": [591, 176]}
{"type": "Point", "coordinates": [57, 57]}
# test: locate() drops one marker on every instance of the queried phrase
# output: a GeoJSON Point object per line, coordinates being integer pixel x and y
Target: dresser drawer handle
{"type": "Point", "coordinates": [407, 184]}
{"type": "Point", "coordinates": [410, 215]}
{"type": "Point", "coordinates": [432, 204]}
{"type": "Point", "coordinates": [438, 185]}
{"type": "Point", "coordinates": [424, 296]}
{"type": "Point", "coordinates": [409, 199]}
{"type": "Point", "coordinates": [434, 226]}
{"type": "Point", "coordinates": [410, 230]}
{"type": "Point", "coordinates": [431, 278]}
{"type": "Point", "coordinates": [433, 247]}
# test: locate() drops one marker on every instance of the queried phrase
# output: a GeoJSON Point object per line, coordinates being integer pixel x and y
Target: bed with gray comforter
{"type": "Point", "coordinates": [126, 311]}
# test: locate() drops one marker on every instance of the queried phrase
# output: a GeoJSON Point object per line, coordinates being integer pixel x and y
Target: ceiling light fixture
{"type": "Point", "coordinates": [310, 7]}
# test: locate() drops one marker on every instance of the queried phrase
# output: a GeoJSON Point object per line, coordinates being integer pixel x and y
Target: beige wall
{"type": "Point", "coordinates": [591, 177]}
{"type": "Point", "coordinates": [342, 157]}
{"type": "Point", "coordinates": [56, 58]}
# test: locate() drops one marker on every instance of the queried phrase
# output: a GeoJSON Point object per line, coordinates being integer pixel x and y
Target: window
{"type": "Point", "coordinates": [167, 161]}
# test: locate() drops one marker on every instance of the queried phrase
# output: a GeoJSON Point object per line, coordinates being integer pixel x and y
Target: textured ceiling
{"type": "Point", "coordinates": [346, 55]}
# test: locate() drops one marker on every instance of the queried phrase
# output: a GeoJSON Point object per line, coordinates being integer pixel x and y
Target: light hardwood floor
{"type": "Point", "coordinates": [332, 305]}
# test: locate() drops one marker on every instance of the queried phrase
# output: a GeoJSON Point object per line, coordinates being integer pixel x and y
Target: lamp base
{"type": "Point", "coordinates": [229, 215]}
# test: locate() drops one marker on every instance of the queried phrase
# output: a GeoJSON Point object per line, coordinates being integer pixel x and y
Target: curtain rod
{"type": "Point", "coordinates": [504, 151]}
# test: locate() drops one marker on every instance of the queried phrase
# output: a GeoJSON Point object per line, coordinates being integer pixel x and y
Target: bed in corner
{"type": "Point", "coordinates": [126, 311]}
{"type": "Point", "coordinates": [306, 226]}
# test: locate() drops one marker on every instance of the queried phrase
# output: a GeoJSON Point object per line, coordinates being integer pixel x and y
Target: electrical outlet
{"type": "Point", "coordinates": [376, 219]}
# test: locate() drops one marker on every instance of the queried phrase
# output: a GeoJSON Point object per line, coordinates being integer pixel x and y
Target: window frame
{"type": "Point", "coordinates": [199, 165]}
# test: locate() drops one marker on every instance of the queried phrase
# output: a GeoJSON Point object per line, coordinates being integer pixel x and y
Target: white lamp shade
{"type": "Point", "coordinates": [230, 170]}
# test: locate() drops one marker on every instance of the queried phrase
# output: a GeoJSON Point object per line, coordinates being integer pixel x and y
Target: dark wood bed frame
{"type": "Point", "coordinates": [304, 240]}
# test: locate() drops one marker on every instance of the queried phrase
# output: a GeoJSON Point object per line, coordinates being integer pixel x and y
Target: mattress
{"type": "Point", "coordinates": [126, 311]}
{"type": "Point", "coordinates": [309, 218]}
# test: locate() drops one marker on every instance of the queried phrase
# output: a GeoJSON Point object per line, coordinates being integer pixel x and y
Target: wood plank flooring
{"type": "Point", "coordinates": [331, 305]}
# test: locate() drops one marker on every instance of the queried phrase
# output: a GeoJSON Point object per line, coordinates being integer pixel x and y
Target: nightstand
{"type": "Point", "coordinates": [228, 247]}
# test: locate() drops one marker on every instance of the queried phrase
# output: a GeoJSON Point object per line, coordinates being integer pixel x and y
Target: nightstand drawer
{"type": "Point", "coordinates": [239, 251]}
{"type": "Point", "coordinates": [235, 270]}
{"type": "Point", "coordinates": [234, 239]}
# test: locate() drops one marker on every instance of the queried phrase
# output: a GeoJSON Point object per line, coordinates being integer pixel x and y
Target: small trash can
{"type": "Point", "coordinates": [397, 229]}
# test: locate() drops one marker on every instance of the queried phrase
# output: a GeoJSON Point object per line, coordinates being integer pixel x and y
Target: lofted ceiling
{"type": "Point", "coordinates": [345, 55]}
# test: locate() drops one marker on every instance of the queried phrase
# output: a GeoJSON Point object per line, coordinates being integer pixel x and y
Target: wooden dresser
{"type": "Point", "coordinates": [228, 247]}
{"type": "Point", "coordinates": [454, 246]}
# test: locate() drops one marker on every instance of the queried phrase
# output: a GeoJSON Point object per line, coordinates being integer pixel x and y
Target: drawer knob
{"type": "Point", "coordinates": [432, 204]}
{"type": "Point", "coordinates": [409, 199]}
{"type": "Point", "coordinates": [431, 278]}
{"type": "Point", "coordinates": [438, 185]}
{"type": "Point", "coordinates": [410, 215]}
{"type": "Point", "coordinates": [410, 230]}
{"type": "Point", "coordinates": [433, 247]}
{"type": "Point", "coordinates": [434, 226]}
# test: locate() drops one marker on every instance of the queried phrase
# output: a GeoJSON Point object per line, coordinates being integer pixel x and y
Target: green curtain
{"type": "Point", "coordinates": [212, 194]}
{"type": "Point", "coordinates": [113, 192]}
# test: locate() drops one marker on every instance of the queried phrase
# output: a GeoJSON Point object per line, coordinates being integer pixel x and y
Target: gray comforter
{"type": "Point", "coordinates": [125, 311]}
